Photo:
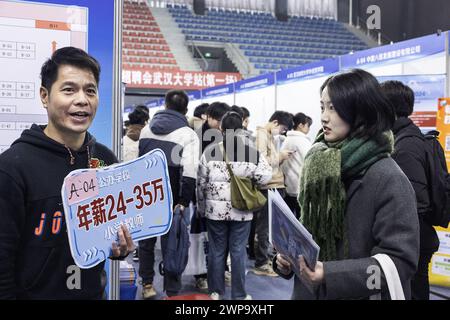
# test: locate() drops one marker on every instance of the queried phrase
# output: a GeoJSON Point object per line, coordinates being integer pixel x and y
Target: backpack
{"type": "Point", "coordinates": [438, 178]}
{"type": "Point", "coordinates": [176, 248]}
{"type": "Point", "coordinates": [245, 196]}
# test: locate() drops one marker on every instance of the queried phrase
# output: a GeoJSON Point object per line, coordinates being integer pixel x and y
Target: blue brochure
{"type": "Point", "coordinates": [289, 237]}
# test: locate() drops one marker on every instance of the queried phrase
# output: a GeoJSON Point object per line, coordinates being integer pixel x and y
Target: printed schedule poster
{"type": "Point", "coordinates": [29, 34]}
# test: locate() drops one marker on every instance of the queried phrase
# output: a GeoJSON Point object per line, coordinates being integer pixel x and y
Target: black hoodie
{"type": "Point", "coordinates": [35, 259]}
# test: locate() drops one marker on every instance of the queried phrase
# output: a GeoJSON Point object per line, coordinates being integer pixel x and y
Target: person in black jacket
{"type": "Point", "coordinates": [35, 258]}
{"type": "Point", "coordinates": [169, 130]}
{"type": "Point", "coordinates": [410, 156]}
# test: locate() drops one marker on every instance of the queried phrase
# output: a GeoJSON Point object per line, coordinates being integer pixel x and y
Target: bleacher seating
{"type": "Point", "coordinates": [143, 43]}
{"type": "Point", "coordinates": [269, 44]}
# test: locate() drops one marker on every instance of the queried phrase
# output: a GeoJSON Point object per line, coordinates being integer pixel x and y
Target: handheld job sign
{"type": "Point", "coordinates": [98, 201]}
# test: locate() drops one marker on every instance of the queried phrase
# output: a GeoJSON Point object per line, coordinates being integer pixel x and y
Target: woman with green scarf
{"type": "Point", "coordinates": [354, 199]}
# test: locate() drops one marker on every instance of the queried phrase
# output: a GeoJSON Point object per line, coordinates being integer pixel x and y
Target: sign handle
{"type": "Point", "coordinates": [114, 266]}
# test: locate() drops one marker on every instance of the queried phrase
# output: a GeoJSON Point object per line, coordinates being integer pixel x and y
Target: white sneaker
{"type": "Point", "coordinates": [248, 297]}
{"type": "Point", "coordinates": [214, 296]}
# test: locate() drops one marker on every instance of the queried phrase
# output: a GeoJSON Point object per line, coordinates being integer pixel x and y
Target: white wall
{"type": "Point", "coordinates": [302, 96]}
{"type": "Point", "coordinates": [152, 111]}
{"type": "Point", "coordinates": [191, 107]}
{"type": "Point", "coordinates": [260, 103]}
{"type": "Point", "coordinates": [228, 99]}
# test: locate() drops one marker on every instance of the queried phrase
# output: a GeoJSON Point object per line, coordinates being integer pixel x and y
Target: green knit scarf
{"type": "Point", "coordinates": [322, 194]}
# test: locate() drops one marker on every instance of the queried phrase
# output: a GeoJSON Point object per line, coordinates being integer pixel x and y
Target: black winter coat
{"type": "Point", "coordinates": [410, 156]}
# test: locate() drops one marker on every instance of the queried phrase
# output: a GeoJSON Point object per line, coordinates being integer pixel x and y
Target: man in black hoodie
{"type": "Point", "coordinates": [35, 258]}
{"type": "Point", "coordinates": [410, 155]}
{"type": "Point", "coordinates": [169, 130]}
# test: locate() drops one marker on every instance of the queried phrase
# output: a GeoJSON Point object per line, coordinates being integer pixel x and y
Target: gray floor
{"type": "Point", "coordinates": [259, 287]}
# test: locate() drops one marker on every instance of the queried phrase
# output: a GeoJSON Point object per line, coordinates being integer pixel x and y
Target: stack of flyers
{"type": "Point", "coordinates": [288, 236]}
{"type": "Point", "coordinates": [127, 272]}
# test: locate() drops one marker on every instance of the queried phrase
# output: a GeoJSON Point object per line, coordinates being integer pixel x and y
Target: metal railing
{"type": "Point", "coordinates": [239, 58]}
{"type": "Point", "coordinates": [236, 55]}
{"type": "Point", "coordinates": [194, 48]}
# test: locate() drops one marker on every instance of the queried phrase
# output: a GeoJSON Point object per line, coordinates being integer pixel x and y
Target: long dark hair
{"type": "Point", "coordinates": [358, 99]}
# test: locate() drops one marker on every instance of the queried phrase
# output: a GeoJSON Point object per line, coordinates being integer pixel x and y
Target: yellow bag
{"type": "Point", "coordinates": [245, 196]}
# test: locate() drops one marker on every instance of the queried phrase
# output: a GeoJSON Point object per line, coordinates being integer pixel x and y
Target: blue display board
{"type": "Point", "coordinates": [100, 35]}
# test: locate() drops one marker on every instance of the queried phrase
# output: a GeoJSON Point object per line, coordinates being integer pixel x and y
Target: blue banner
{"type": "Point", "coordinates": [426, 88]}
{"type": "Point", "coordinates": [195, 95]}
{"type": "Point", "coordinates": [427, 91]}
{"type": "Point", "coordinates": [153, 103]}
{"type": "Point", "coordinates": [307, 71]}
{"type": "Point", "coordinates": [218, 91]}
{"type": "Point", "coordinates": [262, 81]}
{"type": "Point", "coordinates": [128, 109]}
{"type": "Point", "coordinates": [397, 52]}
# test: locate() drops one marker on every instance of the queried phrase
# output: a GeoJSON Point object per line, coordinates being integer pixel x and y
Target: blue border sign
{"type": "Point", "coordinates": [397, 52]}
{"type": "Point", "coordinates": [152, 104]}
{"type": "Point", "coordinates": [308, 71]}
{"type": "Point", "coordinates": [262, 81]}
{"type": "Point", "coordinates": [194, 95]}
{"type": "Point", "coordinates": [218, 91]}
{"type": "Point", "coordinates": [98, 201]}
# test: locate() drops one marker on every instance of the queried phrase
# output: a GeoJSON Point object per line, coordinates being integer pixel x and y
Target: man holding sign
{"type": "Point", "coordinates": [35, 258]}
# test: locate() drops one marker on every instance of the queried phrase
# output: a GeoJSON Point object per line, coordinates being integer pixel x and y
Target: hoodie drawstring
{"type": "Point", "coordinates": [72, 158]}
{"type": "Point", "coordinates": [89, 157]}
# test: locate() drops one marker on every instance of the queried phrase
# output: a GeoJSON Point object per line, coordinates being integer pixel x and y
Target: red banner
{"type": "Point", "coordinates": [173, 79]}
{"type": "Point", "coordinates": [424, 118]}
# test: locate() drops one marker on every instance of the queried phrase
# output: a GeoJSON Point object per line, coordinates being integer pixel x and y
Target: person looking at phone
{"type": "Point", "coordinates": [279, 123]}
{"type": "Point", "coordinates": [299, 144]}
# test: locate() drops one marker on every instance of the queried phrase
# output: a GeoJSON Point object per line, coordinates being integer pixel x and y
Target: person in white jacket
{"type": "Point", "coordinates": [228, 226]}
{"type": "Point", "coordinates": [297, 141]}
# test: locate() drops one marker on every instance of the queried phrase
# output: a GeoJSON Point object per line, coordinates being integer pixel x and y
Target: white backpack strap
{"type": "Point", "coordinates": [391, 275]}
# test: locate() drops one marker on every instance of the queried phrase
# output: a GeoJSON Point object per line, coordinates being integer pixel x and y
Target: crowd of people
{"type": "Point", "coordinates": [357, 191]}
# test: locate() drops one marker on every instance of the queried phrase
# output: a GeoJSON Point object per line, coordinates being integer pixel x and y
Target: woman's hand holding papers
{"type": "Point", "coordinates": [283, 265]}
{"type": "Point", "coordinates": [309, 277]}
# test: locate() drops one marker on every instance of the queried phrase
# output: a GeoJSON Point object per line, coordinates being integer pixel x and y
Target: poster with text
{"type": "Point", "coordinates": [97, 202]}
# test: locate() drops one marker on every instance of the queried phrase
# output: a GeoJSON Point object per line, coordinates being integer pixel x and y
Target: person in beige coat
{"type": "Point", "coordinates": [279, 123]}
